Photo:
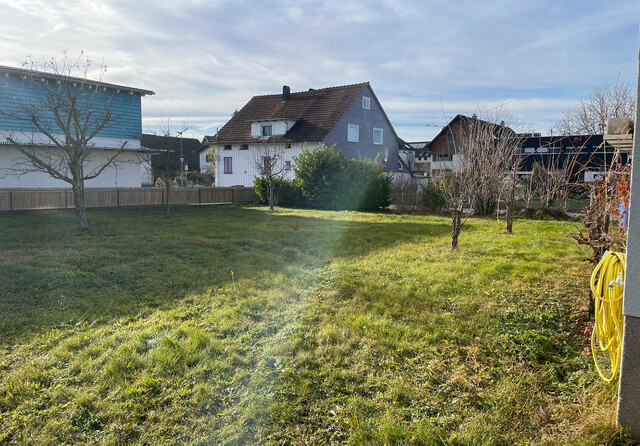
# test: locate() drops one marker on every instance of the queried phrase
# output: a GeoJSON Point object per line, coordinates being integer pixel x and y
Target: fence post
{"type": "Point", "coordinates": [232, 196]}
{"type": "Point", "coordinates": [11, 199]}
{"type": "Point", "coordinates": [118, 197]}
{"type": "Point", "coordinates": [200, 196]}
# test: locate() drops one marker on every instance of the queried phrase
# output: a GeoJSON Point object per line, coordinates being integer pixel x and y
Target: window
{"type": "Point", "coordinates": [208, 158]}
{"type": "Point", "coordinates": [442, 157]}
{"type": "Point", "coordinates": [287, 165]}
{"type": "Point", "coordinates": [227, 147]}
{"type": "Point", "coordinates": [451, 138]}
{"type": "Point", "coordinates": [353, 132]}
{"type": "Point", "coordinates": [228, 164]}
{"type": "Point", "coordinates": [377, 135]}
{"type": "Point", "coordinates": [543, 149]}
{"type": "Point", "coordinates": [366, 102]}
{"type": "Point", "coordinates": [529, 149]}
{"type": "Point", "coordinates": [287, 145]}
{"type": "Point", "coordinates": [266, 130]}
{"type": "Point", "coordinates": [244, 147]}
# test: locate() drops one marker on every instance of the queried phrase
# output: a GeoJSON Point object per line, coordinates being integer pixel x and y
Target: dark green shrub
{"type": "Point", "coordinates": [544, 214]}
{"type": "Point", "coordinates": [327, 180]}
{"type": "Point", "coordinates": [433, 199]}
{"type": "Point", "coordinates": [371, 186]}
{"type": "Point", "coordinates": [286, 192]}
{"type": "Point", "coordinates": [319, 176]}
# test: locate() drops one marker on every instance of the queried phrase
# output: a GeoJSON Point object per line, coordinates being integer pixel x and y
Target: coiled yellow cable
{"type": "Point", "coordinates": [606, 285]}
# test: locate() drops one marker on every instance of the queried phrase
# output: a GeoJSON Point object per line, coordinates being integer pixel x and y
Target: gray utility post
{"type": "Point", "coordinates": [629, 392]}
{"type": "Point", "coordinates": [181, 162]}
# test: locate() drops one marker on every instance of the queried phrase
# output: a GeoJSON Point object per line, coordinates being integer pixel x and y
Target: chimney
{"type": "Point", "coordinates": [286, 93]}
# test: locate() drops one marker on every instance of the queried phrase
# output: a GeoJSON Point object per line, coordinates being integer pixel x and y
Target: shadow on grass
{"type": "Point", "coordinates": [134, 261]}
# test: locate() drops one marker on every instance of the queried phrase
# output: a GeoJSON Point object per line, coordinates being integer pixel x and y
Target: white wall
{"type": "Point", "coordinates": [128, 172]}
{"type": "Point", "coordinates": [205, 166]}
{"type": "Point", "coordinates": [146, 174]}
{"type": "Point", "coordinates": [243, 163]}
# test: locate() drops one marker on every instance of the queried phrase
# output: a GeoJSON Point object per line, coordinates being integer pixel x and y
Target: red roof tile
{"type": "Point", "coordinates": [317, 112]}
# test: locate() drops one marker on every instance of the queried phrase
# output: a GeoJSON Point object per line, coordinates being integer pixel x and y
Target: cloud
{"type": "Point", "coordinates": [204, 59]}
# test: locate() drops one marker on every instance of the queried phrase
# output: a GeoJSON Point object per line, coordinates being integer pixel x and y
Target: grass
{"type": "Point", "coordinates": [233, 325]}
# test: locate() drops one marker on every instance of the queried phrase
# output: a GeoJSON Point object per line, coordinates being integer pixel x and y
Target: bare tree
{"type": "Point", "coordinates": [163, 146]}
{"type": "Point", "coordinates": [510, 184]}
{"type": "Point", "coordinates": [407, 194]}
{"type": "Point", "coordinates": [272, 168]}
{"type": "Point", "coordinates": [551, 182]}
{"type": "Point", "coordinates": [483, 155]}
{"type": "Point", "coordinates": [66, 113]}
{"type": "Point", "coordinates": [590, 115]}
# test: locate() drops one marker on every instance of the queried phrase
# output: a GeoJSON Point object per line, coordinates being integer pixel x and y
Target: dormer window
{"type": "Point", "coordinates": [266, 128]}
{"type": "Point", "coordinates": [366, 102]}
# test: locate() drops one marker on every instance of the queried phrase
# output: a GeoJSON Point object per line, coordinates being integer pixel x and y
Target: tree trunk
{"type": "Point", "coordinates": [455, 229]}
{"type": "Point", "coordinates": [78, 202]}
{"type": "Point", "coordinates": [167, 185]}
{"type": "Point", "coordinates": [270, 185]}
{"type": "Point", "coordinates": [510, 207]}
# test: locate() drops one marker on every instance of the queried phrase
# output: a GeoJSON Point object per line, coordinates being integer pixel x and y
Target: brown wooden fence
{"type": "Point", "coordinates": [24, 199]}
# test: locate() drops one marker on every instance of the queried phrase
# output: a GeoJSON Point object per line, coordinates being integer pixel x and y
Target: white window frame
{"type": "Point", "coordinates": [263, 128]}
{"type": "Point", "coordinates": [381, 131]}
{"type": "Point", "coordinates": [350, 128]}
{"type": "Point", "coordinates": [366, 102]}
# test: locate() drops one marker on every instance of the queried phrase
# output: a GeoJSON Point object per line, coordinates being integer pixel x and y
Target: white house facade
{"type": "Point", "coordinates": [349, 117]}
{"type": "Point", "coordinates": [239, 164]}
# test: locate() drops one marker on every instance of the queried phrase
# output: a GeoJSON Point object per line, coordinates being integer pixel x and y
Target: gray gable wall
{"type": "Point", "coordinates": [367, 120]}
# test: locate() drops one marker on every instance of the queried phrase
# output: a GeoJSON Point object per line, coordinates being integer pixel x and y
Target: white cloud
{"type": "Point", "coordinates": [206, 58]}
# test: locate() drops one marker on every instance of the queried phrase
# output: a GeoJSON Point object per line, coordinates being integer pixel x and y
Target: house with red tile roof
{"type": "Point", "coordinates": [349, 117]}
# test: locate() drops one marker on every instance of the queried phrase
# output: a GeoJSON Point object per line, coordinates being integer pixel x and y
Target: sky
{"type": "Point", "coordinates": [425, 60]}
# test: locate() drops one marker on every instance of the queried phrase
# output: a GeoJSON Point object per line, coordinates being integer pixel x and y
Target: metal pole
{"type": "Point", "coordinates": [181, 162]}
{"type": "Point", "coordinates": [629, 390]}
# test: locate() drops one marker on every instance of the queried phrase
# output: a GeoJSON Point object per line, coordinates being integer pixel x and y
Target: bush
{"type": "Point", "coordinates": [544, 214]}
{"type": "Point", "coordinates": [370, 186]}
{"type": "Point", "coordinates": [286, 193]}
{"type": "Point", "coordinates": [433, 199]}
{"type": "Point", "coordinates": [319, 176]}
{"type": "Point", "coordinates": [327, 180]}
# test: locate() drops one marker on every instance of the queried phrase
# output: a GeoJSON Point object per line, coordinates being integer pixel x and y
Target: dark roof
{"type": "Point", "coordinates": [191, 149]}
{"type": "Point", "coordinates": [316, 112]}
{"type": "Point", "coordinates": [48, 75]}
{"type": "Point", "coordinates": [466, 119]}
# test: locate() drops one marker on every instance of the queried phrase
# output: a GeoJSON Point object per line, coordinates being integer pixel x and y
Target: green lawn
{"type": "Point", "coordinates": [233, 325]}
